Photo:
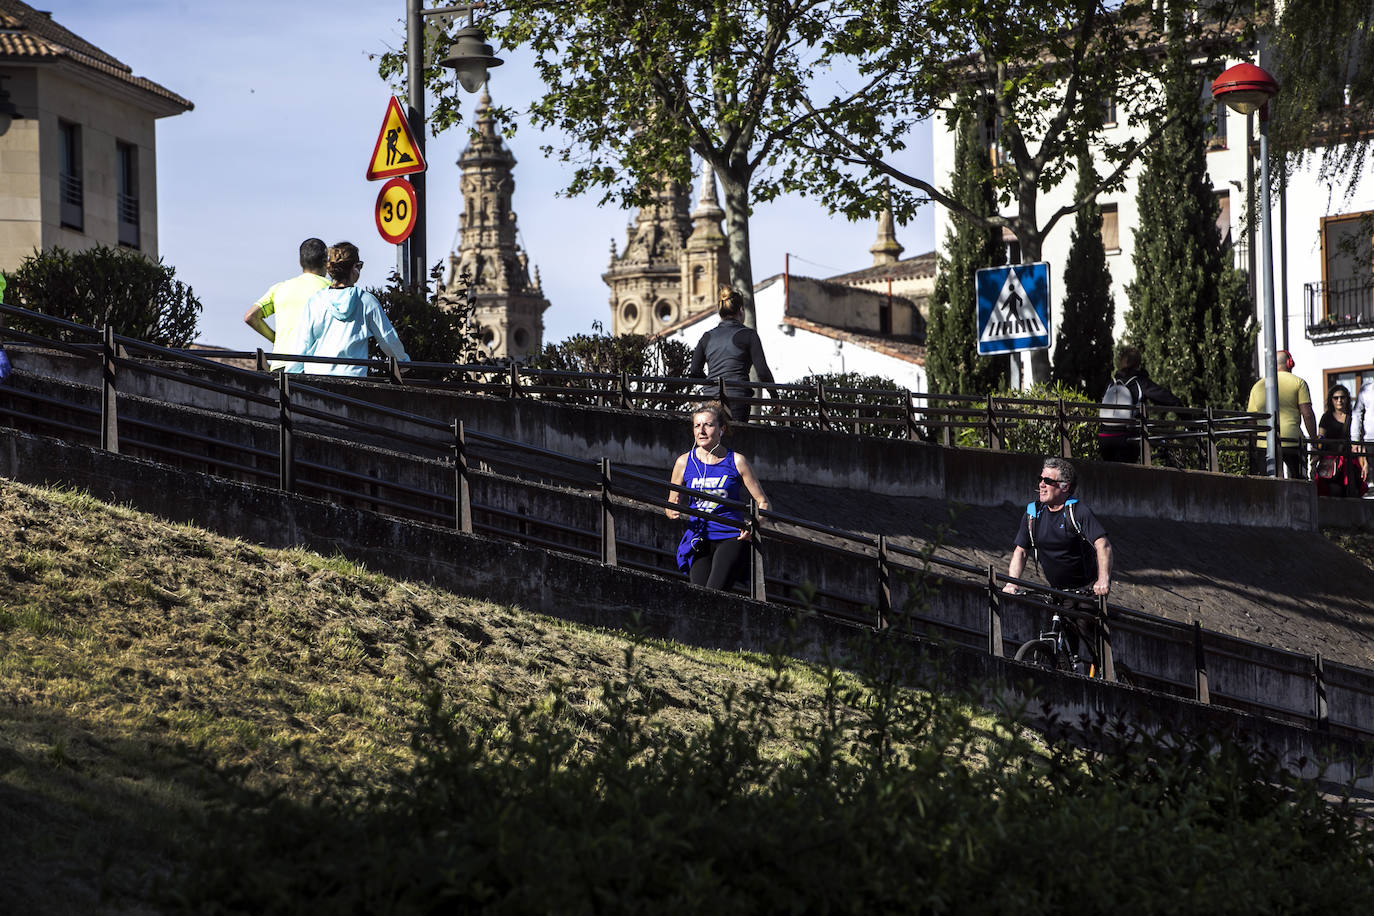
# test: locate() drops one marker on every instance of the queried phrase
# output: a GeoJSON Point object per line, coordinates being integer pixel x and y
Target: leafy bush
{"type": "Point", "coordinates": [106, 286]}
{"type": "Point", "coordinates": [634, 354]}
{"type": "Point", "coordinates": [431, 332]}
{"type": "Point", "coordinates": [892, 397]}
{"type": "Point", "coordinates": [1040, 435]}
{"type": "Point", "coordinates": [899, 802]}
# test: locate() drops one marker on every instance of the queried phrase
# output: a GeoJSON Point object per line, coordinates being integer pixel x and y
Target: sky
{"type": "Point", "coordinates": [288, 104]}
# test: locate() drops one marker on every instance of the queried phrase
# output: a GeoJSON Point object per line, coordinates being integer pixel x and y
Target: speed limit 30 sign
{"type": "Point", "coordinates": [396, 211]}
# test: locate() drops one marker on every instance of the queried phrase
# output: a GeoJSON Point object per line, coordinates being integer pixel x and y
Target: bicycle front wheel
{"type": "Point", "coordinates": [1039, 652]}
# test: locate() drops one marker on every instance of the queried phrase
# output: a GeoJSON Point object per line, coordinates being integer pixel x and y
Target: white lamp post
{"type": "Point", "coordinates": [1246, 88]}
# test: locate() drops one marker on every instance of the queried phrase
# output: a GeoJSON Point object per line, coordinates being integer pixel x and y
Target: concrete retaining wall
{"type": "Point", "coordinates": [974, 476]}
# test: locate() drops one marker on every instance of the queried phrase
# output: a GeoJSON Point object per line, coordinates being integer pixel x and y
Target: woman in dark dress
{"type": "Point", "coordinates": [1338, 472]}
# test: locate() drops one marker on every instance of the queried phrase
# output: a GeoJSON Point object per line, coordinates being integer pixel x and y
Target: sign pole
{"type": "Point", "coordinates": [416, 274]}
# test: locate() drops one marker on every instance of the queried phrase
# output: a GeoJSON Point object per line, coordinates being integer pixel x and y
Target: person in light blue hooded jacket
{"type": "Point", "coordinates": [339, 319]}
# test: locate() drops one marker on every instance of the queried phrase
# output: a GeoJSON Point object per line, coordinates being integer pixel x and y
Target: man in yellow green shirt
{"type": "Point", "coordinates": [287, 299]}
{"type": "Point", "coordinates": [1295, 405]}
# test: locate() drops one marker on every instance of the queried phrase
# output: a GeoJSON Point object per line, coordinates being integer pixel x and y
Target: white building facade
{"type": "Point", "coordinates": [1323, 258]}
{"type": "Point", "coordinates": [796, 345]}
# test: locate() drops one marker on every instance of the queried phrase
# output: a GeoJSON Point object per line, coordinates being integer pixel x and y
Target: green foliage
{"type": "Point", "coordinates": [1046, 84]}
{"type": "Point", "coordinates": [899, 801]}
{"type": "Point", "coordinates": [1038, 433]}
{"type": "Point", "coordinates": [637, 88]}
{"type": "Point", "coordinates": [890, 396]}
{"type": "Point", "coordinates": [1190, 313]}
{"type": "Point", "coordinates": [1323, 57]}
{"type": "Point", "coordinates": [106, 286]}
{"type": "Point", "coordinates": [1083, 349]}
{"type": "Point", "coordinates": [598, 352]}
{"type": "Point", "coordinates": [952, 361]}
{"type": "Point", "coordinates": [431, 332]}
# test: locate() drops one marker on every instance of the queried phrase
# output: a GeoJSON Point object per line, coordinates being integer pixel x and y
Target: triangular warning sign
{"type": "Point", "coordinates": [1013, 315]}
{"type": "Point", "coordinates": [396, 152]}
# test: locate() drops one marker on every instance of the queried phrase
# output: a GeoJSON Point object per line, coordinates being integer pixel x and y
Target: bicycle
{"type": "Point", "coordinates": [1065, 647]}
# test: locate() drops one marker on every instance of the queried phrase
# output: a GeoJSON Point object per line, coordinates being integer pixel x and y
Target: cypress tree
{"type": "Point", "coordinates": [1083, 349]}
{"type": "Point", "coordinates": [1189, 315]}
{"type": "Point", "coordinates": [953, 365]}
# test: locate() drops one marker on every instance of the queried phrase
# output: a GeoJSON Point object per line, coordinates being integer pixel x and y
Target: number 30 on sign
{"type": "Point", "coordinates": [396, 210]}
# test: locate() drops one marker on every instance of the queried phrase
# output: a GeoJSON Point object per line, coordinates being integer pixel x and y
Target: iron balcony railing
{"type": "Point", "coordinates": [127, 207]}
{"type": "Point", "coordinates": [1340, 309]}
{"type": "Point", "coordinates": [71, 196]}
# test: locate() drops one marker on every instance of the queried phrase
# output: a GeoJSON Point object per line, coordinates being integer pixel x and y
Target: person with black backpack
{"type": "Point", "coordinates": [1131, 386]}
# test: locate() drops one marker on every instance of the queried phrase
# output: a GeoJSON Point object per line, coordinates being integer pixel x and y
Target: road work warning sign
{"type": "Point", "coordinates": [395, 152]}
{"type": "Point", "coordinates": [1013, 308]}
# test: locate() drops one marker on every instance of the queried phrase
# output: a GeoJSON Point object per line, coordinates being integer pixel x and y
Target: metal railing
{"type": "Point", "coordinates": [1195, 438]}
{"type": "Point", "coordinates": [1166, 655]}
{"type": "Point", "coordinates": [71, 197]}
{"type": "Point", "coordinates": [1343, 308]}
{"type": "Point", "coordinates": [127, 207]}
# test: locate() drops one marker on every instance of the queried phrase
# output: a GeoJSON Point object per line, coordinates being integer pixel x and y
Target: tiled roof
{"type": "Point", "coordinates": [922, 265]}
{"type": "Point", "coordinates": [27, 34]}
{"type": "Point", "coordinates": [906, 350]}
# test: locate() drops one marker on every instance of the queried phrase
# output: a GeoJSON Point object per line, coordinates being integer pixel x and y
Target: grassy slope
{"type": "Point", "coordinates": [141, 660]}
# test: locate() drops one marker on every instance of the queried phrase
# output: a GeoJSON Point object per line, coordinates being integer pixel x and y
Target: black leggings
{"type": "Point", "coordinates": [724, 563]}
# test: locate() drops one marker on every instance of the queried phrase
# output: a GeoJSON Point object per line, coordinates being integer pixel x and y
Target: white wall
{"type": "Point", "coordinates": [796, 352]}
{"type": "Point", "coordinates": [1307, 200]}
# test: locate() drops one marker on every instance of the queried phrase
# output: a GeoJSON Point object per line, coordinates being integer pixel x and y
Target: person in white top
{"type": "Point", "coordinates": [339, 320]}
{"type": "Point", "coordinates": [1362, 427]}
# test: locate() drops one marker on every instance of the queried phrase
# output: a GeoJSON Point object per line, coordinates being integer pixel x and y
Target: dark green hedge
{"type": "Point", "coordinates": [892, 800]}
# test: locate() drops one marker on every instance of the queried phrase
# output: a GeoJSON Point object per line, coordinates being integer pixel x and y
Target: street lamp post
{"type": "Point", "coordinates": [1246, 88]}
{"type": "Point", "coordinates": [471, 57]}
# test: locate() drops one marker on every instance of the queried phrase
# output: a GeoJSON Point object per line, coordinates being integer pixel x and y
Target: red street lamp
{"type": "Point", "coordinates": [1246, 89]}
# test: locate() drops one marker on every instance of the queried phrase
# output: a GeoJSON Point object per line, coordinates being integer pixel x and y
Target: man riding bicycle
{"type": "Point", "coordinates": [1068, 542]}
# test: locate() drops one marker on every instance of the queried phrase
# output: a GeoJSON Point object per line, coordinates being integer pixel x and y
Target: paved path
{"type": "Point", "coordinates": [1292, 590]}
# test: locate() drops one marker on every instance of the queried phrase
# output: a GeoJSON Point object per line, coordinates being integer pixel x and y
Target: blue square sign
{"type": "Point", "coordinates": [1013, 308]}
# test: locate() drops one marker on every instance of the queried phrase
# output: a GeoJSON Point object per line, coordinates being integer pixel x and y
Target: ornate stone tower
{"type": "Point", "coordinates": [705, 263]}
{"type": "Point", "coordinates": [646, 279]}
{"type": "Point", "coordinates": [510, 308]}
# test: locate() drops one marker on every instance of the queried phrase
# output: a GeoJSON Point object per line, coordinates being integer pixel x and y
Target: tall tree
{"type": "Point", "coordinates": [637, 86]}
{"type": "Point", "coordinates": [1043, 67]}
{"type": "Point", "coordinates": [1189, 314]}
{"type": "Point", "coordinates": [1324, 61]}
{"type": "Point", "coordinates": [1083, 349]}
{"type": "Point", "coordinates": [953, 365]}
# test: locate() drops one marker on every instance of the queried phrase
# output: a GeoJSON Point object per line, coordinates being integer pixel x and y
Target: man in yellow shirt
{"type": "Point", "coordinates": [1295, 404]}
{"type": "Point", "coordinates": [287, 299]}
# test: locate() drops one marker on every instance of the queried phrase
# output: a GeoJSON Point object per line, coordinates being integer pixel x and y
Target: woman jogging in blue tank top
{"type": "Point", "coordinates": [713, 554]}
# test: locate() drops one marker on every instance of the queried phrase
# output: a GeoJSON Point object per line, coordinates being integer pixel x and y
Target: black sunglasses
{"type": "Point", "coordinates": [1051, 482]}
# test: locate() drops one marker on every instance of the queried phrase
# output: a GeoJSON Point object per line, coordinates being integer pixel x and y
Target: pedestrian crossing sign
{"type": "Point", "coordinates": [395, 152]}
{"type": "Point", "coordinates": [1013, 308]}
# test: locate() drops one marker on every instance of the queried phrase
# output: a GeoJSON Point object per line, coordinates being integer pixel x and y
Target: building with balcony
{"type": "Point", "coordinates": [1323, 258]}
{"type": "Point", "coordinates": [78, 167]}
